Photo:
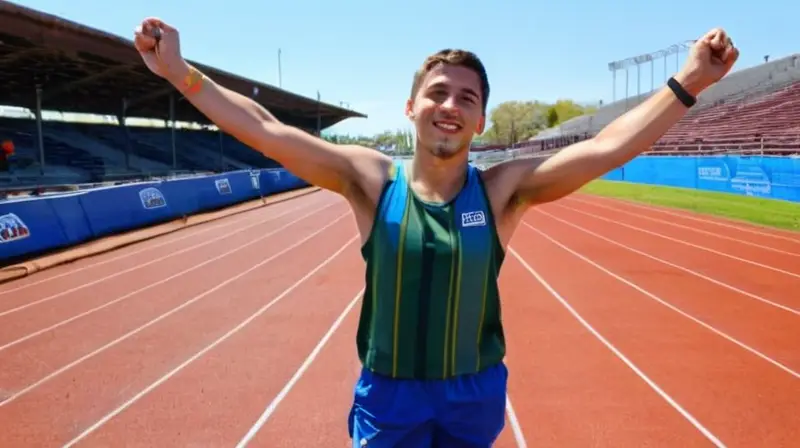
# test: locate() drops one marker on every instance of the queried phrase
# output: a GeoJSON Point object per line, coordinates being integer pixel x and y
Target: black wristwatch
{"type": "Point", "coordinates": [685, 97]}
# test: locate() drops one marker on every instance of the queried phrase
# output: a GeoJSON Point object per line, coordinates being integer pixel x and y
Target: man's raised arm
{"type": "Point", "coordinates": [629, 135]}
{"type": "Point", "coordinates": [330, 166]}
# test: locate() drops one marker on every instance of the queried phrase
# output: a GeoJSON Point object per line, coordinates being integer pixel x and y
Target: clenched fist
{"type": "Point", "coordinates": [159, 45]}
{"type": "Point", "coordinates": [710, 59]}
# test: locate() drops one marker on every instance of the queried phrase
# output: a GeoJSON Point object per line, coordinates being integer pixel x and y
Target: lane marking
{"type": "Point", "coordinates": [516, 429]}
{"type": "Point", "coordinates": [689, 417]}
{"type": "Point", "coordinates": [690, 271]}
{"type": "Point", "coordinates": [159, 282]}
{"type": "Point", "coordinates": [670, 306]}
{"type": "Point", "coordinates": [142, 265]}
{"type": "Point", "coordinates": [273, 405]}
{"type": "Point", "coordinates": [743, 260]}
{"type": "Point", "coordinates": [207, 348]}
{"type": "Point", "coordinates": [225, 222]}
{"type": "Point", "coordinates": [135, 331]}
{"type": "Point", "coordinates": [782, 233]}
{"type": "Point", "coordinates": [690, 228]}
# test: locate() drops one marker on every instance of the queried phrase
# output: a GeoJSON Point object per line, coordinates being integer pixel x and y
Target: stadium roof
{"type": "Point", "coordinates": [85, 70]}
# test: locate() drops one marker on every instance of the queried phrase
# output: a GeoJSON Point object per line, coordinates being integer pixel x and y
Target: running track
{"type": "Point", "coordinates": [627, 326]}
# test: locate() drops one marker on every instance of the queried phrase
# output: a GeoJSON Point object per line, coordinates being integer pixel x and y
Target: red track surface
{"type": "Point", "coordinates": [627, 325]}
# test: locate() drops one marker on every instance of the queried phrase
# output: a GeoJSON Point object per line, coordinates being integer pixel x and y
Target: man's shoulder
{"type": "Point", "coordinates": [502, 182]}
{"type": "Point", "coordinates": [366, 162]}
{"type": "Point", "coordinates": [505, 174]}
{"type": "Point", "coordinates": [371, 171]}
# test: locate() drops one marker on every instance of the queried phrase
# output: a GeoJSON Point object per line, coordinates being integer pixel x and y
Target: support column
{"type": "Point", "coordinates": [172, 125]}
{"type": "Point", "coordinates": [39, 131]}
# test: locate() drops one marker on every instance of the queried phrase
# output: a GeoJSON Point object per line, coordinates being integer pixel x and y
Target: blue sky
{"type": "Point", "coordinates": [365, 52]}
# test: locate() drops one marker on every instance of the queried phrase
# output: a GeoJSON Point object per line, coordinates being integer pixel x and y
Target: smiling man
{"type": "Point", "coordinates": [434, 231]}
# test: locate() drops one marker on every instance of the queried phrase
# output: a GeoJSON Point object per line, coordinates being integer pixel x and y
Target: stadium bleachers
{"type": "Point", "coordinates": [751, 109]}
{"type": "Point", "coordinates": [94, 115]}
{"type": "Point", "coordinates": [89, 153]}
{"type": "Point", "coordinates": [751, 121]}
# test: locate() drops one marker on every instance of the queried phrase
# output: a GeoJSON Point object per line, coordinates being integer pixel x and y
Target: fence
{"type": "Point", "coordinates": [762, 176]}
{"type": "Point", "coordinates": [32, 225]}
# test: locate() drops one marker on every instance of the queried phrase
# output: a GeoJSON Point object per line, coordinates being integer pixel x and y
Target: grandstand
{"type": "Point", "coordinates": [142, 128]}
{"type": "Point", "coordinates": [750, 110]}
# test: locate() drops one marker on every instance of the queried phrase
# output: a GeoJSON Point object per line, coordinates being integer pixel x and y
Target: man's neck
{"type": "Point", "coordinates": [435, 179]}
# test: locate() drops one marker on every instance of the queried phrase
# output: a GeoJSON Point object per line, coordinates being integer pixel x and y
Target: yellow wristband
{"type": "Point", "coordinates": [193, 82]}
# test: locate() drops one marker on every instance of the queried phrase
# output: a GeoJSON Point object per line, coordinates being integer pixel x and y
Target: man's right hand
{"type": "Point", "coordinates": [162, 56]}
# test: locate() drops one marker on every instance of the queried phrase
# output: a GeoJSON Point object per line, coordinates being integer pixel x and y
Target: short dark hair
{"type": "Point", "coordinates": [460, 58]}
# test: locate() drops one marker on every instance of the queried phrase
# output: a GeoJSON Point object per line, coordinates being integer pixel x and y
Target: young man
{"type": "Point", "coordinates": [434, 232]}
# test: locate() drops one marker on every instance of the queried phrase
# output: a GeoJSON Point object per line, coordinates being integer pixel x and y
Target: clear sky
{"type": "Point", "coordinates": [364, 52]}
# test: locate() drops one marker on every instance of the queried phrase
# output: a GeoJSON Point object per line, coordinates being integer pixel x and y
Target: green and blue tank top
{"type": "Point", "coordinates": [431, 308]}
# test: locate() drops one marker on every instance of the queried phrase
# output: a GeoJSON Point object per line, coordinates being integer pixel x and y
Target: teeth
{"type": "Point", "coordinates": [448, 126]}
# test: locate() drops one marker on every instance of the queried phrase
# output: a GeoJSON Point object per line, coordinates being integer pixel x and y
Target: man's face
{"type": "Point", "coordinates": [447, 110]}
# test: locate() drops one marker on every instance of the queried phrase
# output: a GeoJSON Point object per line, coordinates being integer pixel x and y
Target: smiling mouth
{"type": "Point", "coordinates": [449, 128]}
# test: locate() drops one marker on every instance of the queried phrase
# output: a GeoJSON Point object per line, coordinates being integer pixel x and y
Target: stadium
{"type": "Point", "coordinates": [162, 284]}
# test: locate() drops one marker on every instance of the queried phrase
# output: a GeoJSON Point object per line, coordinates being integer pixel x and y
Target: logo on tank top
{"type": "Point", "coordinates": [473, 219]}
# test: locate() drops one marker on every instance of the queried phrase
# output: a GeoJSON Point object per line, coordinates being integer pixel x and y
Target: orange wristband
{"type": "Point", "coordinates": [193, 82]}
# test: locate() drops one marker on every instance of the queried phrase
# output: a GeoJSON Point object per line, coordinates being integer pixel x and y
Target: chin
{"type": "Point", "coordinates": [447, 149]}
{"type": "Point", "coordinates": [444, 146]}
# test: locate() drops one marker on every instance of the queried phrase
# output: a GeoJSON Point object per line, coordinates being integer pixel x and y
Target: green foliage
{"type": "Point", "coordinates": [552, 117]}
{"type": "Point", "coordinates": [515, 121]}
{"type": "Point", "coordinates": [401, 140]}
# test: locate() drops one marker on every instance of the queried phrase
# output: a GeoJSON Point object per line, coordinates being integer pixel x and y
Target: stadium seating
{"type": "Point", "coordinates": [751, 121]}
{"type": "Point", "coordinates": [90, 153]}
{"type": "Point", "coordinates": [757, 108]}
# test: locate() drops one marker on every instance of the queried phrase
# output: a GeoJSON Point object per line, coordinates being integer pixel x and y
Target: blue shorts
{"type": "Point", "coordinates": [465, 412]}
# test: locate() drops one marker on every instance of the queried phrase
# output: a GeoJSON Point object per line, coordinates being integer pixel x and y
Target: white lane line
{"type": "Point", "coordinates": [273, 405]}
{"type": "Point", "coordinates": [689, 417]}
{"type": "Point", "coordinates": [135, 331]}
{"type": "Point", "coordinates": [782, 233]}
{"type": "Point", "coordinates": [142, 265]}
{"type": "Point", "coordinates": [689, 228]}
{"type": "Point", "coordinates": [654, 297]}
{"type": "Point", "coordinates": [516, 429]}
{"type": "Point", "coordinates": [743, 260]}
{"type": "Point", "coordinates": [697, 274]}
{"type": "Point", "coordinates": [159, 282]}
{"type": "Point", "coordinates": [207, 348]}
{"type": "Point", "coordinates": [181, 236]}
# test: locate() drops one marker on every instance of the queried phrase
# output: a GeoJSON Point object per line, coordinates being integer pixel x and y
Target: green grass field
{"type": "Point", "coordinates": [767, 212]}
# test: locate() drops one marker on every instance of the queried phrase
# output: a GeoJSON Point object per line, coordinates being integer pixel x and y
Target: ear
{"type": "Point", "coordinates": [481, 125]}
{"type": "Point", "coordinates": [410, 109]}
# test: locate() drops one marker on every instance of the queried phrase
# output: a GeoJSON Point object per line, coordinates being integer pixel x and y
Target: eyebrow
{"type": "Point", "coordinates": [466, 90]}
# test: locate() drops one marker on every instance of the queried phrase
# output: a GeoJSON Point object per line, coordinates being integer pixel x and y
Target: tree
{"type": "Point", "coordinates": [515, 121]}
{"type": "Point", "coordinates": [552, 117]}
{"type": "Point", "coordinates": [398, 141]}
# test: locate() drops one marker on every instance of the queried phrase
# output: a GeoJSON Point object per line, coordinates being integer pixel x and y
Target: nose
{"type": "Point", "coordinates": [449, 102]}
{"type": "Point", "coordinates": [449, 105]}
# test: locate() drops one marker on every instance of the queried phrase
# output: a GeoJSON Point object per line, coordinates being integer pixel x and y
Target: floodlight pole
{"type": "Point", "coordinates": [280, 71]}
{"type": "Point", "coordinates": [625, 64]}
{"type": "Point", "coordinates": [319, 115]}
